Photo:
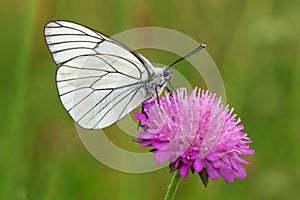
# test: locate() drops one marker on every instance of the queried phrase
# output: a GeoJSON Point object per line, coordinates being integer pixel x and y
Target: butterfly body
{"type": "Point", "coordinates": [100, 80]}
{"type": "Point", "coordinates": [157, 82]}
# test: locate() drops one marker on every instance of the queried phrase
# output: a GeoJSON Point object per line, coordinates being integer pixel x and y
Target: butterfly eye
{"type": "Point", "coordinates": [167, 73]}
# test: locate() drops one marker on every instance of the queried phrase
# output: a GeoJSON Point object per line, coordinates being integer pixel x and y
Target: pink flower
{"type": "Point", "coordinates": [196, 133]}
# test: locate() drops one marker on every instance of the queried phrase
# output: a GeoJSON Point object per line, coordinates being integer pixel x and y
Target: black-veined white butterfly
{"type": "Point", "coordinates": [100, 80]}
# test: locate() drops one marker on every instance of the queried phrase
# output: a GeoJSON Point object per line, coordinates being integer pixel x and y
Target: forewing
{"type": "Point", "coordinates": [98, 79]}
{"type": "Point", "coordinates": [67, 40]}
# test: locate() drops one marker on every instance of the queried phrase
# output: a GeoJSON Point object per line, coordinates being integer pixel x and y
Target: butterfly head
{"type": "Point", "coordinates": [167, 74]}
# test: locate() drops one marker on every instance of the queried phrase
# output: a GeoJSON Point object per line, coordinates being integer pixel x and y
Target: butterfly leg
{"type": "Point", "coordinates": [168, 89]}
{"type": "Point", "coordinates": [157, 98]}
{"type": "Point", "coordinates": [140, 123]}
{"type": "Point", "coordinates": [171, 86]}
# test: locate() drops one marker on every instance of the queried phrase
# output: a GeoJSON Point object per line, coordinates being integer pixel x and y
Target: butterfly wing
{"type": "Point", "coordinates": [98, 79]}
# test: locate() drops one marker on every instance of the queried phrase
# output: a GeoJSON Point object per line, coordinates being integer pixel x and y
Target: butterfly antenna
{"type": "Point", "coordinates": [201, 46]}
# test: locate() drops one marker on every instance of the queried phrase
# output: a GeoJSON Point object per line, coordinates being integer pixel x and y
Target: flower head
{"type": "Point", "coordinates": [196, 133]}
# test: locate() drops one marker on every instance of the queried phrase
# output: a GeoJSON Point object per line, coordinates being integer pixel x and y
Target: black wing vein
{"type": "Point", "coordinates": [114, 105]}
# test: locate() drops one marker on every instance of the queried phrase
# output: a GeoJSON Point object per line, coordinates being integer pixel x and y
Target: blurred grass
{"type": "Point", "coordinates": [255, 45]}
{"type": "Point", "coordinates": [17, 110]}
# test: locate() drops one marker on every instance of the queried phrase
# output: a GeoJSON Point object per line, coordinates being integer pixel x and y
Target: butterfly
{"type": "Point", "coordinates": [100, 80]}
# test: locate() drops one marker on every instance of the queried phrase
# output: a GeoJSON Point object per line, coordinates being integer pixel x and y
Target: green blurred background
{"type": "Point", "coordinates": [254, 43]}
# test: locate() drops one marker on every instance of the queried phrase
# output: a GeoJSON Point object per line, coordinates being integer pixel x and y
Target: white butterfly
{"type": "Point", "coordinates": [100, 80]}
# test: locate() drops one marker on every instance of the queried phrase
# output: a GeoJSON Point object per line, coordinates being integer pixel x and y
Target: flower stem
{"type": "Point", "coordinates": [173, 186]}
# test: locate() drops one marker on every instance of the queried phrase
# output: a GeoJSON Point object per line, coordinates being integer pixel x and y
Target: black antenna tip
{"type": "Point", "coordinates": [203, 45]}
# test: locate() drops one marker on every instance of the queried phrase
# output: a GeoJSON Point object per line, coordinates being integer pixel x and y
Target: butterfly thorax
{"type": "Point", "coordinates": [156, 83]}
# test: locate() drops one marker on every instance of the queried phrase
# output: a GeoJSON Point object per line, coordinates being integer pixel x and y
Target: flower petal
{"type": "Point", "coordinates": [212, 172]}
{"type": "Point", "coordinates": [198, 165]}
{"type": "Point", "coordinates": [227, 173]}
{"type": "Point", "coordinates": [184, 171]}
{"type": "Point", "coordinates": [141, 117]}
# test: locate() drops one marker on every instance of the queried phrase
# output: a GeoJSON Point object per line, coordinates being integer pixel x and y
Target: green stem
{"type": "Point", "coordinates": [173, 186]}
